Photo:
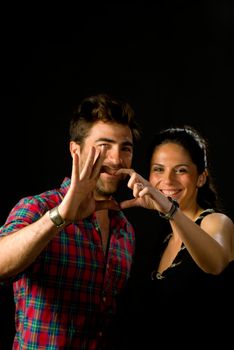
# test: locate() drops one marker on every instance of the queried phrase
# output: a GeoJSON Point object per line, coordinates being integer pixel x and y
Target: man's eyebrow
{"type": "Point", "coordinates": [106, 139]}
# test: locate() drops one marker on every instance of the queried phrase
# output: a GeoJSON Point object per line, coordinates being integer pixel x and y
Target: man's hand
{"type": "Point", "coordinates": [79, 201]}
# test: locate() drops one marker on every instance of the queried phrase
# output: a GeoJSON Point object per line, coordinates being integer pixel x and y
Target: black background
{"type": "Point", "coordinates": [172, 60]}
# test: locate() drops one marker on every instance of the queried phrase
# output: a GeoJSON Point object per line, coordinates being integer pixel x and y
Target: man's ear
{"type": "Point", "coordinates": [74, 147]}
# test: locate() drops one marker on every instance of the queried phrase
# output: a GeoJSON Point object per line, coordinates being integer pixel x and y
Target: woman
{"type": "Point", "coordinates": [187, 288]}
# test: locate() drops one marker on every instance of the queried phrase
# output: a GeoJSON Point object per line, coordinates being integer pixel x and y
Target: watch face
{"type": "Point", "coordinates": [56, 217]}
{"type": "Point", "coordinates": [59, 222]}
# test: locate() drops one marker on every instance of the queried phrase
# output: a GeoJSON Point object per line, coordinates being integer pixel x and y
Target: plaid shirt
{"type": "Point", "coordinates": [66, 299]}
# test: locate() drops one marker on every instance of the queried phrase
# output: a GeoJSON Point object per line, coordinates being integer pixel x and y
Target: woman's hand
{"type": "Point", "coordinates": [145, 195]}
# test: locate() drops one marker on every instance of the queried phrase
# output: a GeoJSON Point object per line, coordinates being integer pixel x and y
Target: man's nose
{"type": "Point", "coordinates": [114, 155]}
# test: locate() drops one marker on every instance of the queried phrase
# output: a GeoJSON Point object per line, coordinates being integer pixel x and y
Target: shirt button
{"type": "Point", "coordinates": [104, 299]}
{"type": "Point", "coordinates": [100, 334]}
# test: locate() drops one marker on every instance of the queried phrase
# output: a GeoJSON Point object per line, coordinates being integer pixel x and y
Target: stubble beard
{"type": "Point", "coordinates": [107, 189]}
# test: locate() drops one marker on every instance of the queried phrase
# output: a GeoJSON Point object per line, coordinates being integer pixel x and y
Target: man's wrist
{"type": "Point", "coordinates": [56, 218]}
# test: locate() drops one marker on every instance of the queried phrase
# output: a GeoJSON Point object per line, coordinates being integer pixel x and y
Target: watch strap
{"type": "Point", "coordinates": [174, 207]}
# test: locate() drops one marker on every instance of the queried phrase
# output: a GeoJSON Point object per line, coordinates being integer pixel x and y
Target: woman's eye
{"type": "Point", "coordinates": [181, 171]}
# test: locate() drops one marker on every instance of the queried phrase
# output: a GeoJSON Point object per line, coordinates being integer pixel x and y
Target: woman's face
{"type": "Point", "coordinates": [174, 174]}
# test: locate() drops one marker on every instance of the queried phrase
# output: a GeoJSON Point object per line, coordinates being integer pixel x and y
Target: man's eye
{"type": "Point", "coordinates": [127, 149]}
{"type": "Point", "coordinates": [158, 170]}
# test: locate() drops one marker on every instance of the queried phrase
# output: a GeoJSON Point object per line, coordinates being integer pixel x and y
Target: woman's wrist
{"type": "Point", "coordinates": [170, 214]}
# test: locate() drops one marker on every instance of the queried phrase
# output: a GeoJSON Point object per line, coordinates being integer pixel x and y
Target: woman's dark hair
{"type": "Point", "coordinates": [197, 147]}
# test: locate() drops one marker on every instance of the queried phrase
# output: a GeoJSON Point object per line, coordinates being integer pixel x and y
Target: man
{"type": "Point", "coordinates": [69, 250]}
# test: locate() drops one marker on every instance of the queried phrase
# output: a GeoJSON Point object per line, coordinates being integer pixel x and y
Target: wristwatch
{"type": "Point", "coordinates": [56, 218]}
{"type": "Point", "coordinates": [174, 207]}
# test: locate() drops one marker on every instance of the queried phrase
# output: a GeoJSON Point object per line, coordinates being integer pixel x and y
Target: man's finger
{"type": "Point", "coordinates": [98, 162]}
{"type": "Point", "coordinates": [88, 166]}
{"type": "Point", "coordinates": [75, 168]}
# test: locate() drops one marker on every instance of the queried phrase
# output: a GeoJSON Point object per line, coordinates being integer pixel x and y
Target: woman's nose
{"type": "Point", "coordinates": [169, 175]}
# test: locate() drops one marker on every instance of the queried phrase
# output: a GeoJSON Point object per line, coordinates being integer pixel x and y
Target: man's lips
{"type": "Point", "coordinates": [110, 171]}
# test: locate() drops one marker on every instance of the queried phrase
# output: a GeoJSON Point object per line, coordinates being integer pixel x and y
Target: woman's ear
{"type": "Point", "coordinates": [202, 179]}
{"type": "Point", "coordinates": [74, 147]}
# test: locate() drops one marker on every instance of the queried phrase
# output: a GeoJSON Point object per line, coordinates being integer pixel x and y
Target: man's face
{"type": "Point", "coordinates": [118, 142]}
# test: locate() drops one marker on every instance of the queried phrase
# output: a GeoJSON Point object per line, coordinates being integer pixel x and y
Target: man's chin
{"type": "Point", "coordinates": [107, 190]}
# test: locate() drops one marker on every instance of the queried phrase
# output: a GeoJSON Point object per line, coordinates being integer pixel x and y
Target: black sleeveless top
{"type": "Point", "coordinates": [186, 297]}
{"type": "Point", "coordinates": [184, 279]}
{"type": "Point", "coordinates": [183, 266]}
{"type": "Point", "coordinates": [183, 307]}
